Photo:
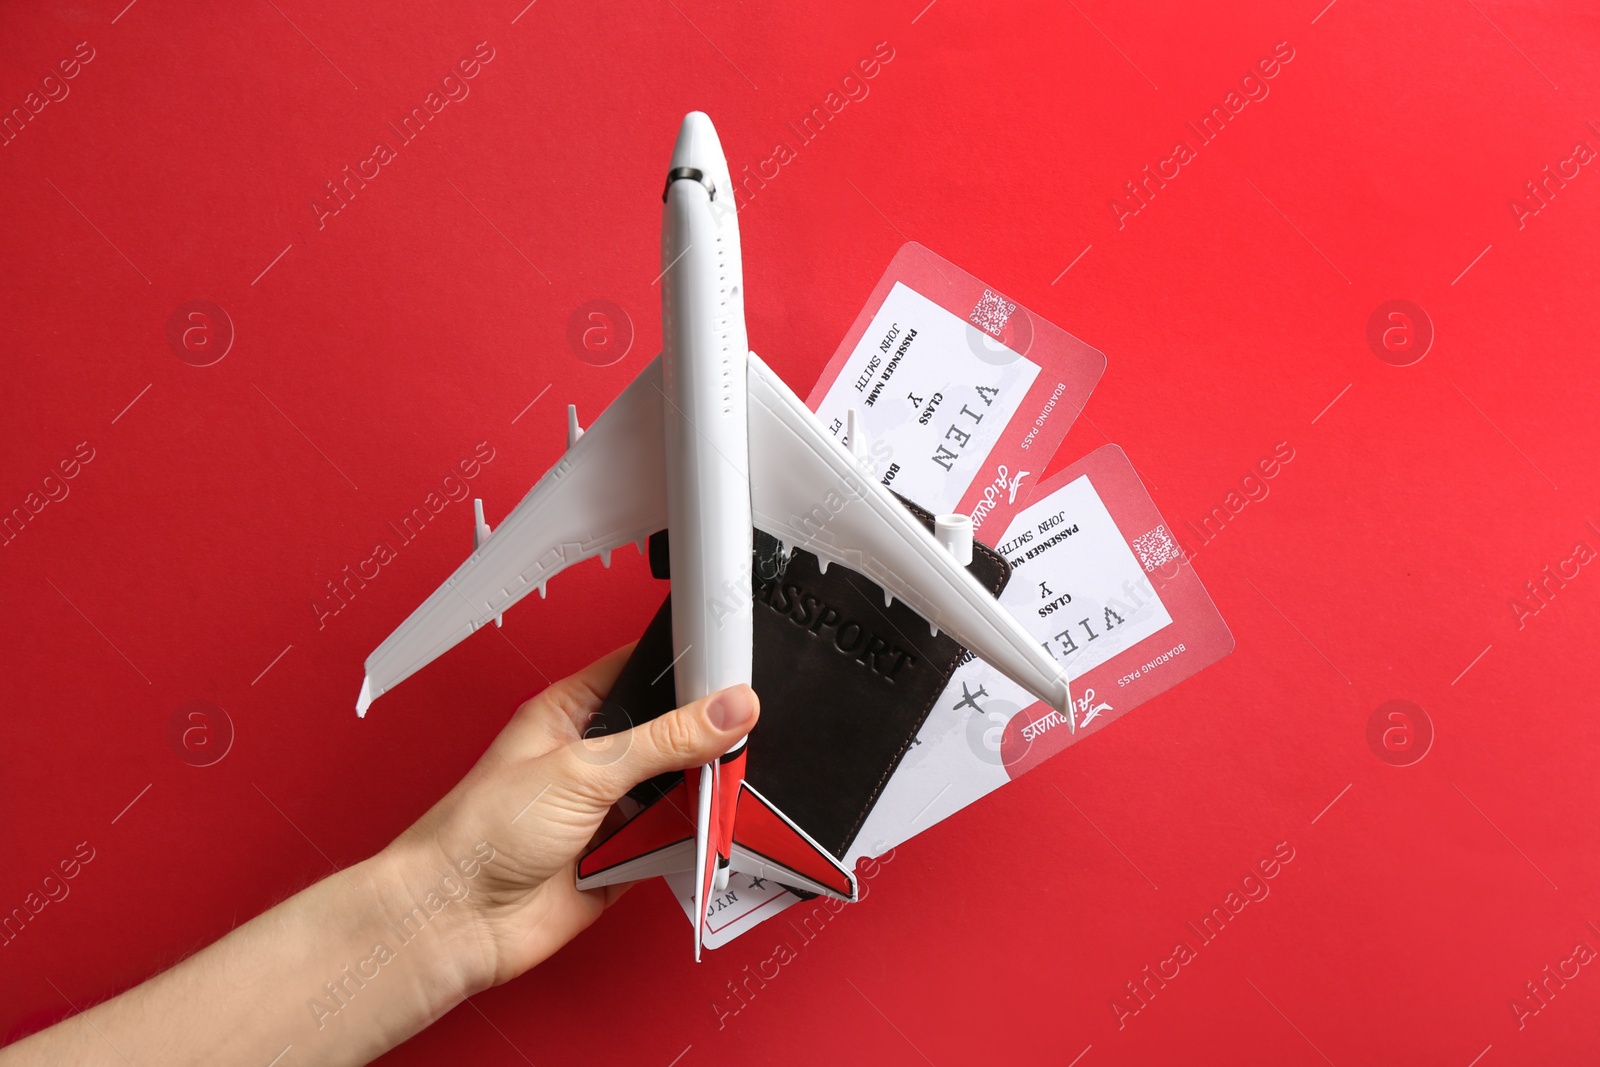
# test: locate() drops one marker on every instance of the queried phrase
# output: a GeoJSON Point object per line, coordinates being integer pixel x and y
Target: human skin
{"type": "Point", "coordinates": [477, 891]}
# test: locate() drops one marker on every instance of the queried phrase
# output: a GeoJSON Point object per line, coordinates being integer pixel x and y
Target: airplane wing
{"type": "Point", "coordinates": [808, 491]}
{"type": "Point", "coordinates": [608, 490]}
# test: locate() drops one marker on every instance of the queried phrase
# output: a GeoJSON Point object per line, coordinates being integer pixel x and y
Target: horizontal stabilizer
{"type": "Point", "coordinates": [658, 840]}
{"type": "Point", "coordinates": [766, 844]}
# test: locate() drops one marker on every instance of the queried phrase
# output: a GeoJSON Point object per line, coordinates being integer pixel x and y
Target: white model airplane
{"type": "Point", "coordinates": [707, 442]}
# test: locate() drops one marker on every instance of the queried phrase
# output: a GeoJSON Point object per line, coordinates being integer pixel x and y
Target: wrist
{"type": "Point", "coordinates": [426, 913]}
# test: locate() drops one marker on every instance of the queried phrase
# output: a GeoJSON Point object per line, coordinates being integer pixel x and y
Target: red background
{"type": "Point", "coordinates": [380, 349]}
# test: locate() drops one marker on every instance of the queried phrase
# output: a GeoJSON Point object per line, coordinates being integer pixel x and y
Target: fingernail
{"type": "Point", "coordinates": [731, 708]}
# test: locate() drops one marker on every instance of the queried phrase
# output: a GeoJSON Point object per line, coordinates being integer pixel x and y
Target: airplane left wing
{"type": "Point", "coordinates": [806, 490]}
{"type": "Point", "coordinates": [608, 490]}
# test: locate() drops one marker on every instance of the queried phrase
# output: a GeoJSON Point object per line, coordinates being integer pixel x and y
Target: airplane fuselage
{"type": "Point", "coordinates": [704, 358]}
{"type": "Point", "coordinates": [707, 427]}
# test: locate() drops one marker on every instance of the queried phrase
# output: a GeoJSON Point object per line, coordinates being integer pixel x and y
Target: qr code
{"type": "Point", "coordinates": [1156, 548]}
{"type": "Point", "coordinates": [992, 312]}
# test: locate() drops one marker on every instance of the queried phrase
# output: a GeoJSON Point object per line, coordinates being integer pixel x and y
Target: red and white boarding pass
{"type": "Point", "coordinates": [1096, 577]}
{"type": "Point", "coordinates": [964, 393]}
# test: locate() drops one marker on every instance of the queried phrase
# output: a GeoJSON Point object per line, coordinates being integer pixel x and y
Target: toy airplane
{"type": "Point", "coordinates": [707, 442]}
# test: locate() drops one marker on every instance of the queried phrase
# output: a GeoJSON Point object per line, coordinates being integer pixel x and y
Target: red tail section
{"type": "Point", "coordinates": [737, 827]}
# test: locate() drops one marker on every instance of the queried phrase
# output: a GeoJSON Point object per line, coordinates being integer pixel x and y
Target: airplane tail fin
{"type": "Point", "coordinates": [768, 844]}
{"type": "Point", "coordinates": [705, 852]}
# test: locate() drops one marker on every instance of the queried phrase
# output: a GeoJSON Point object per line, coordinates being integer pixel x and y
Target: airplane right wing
{"type": "Point", "coordinates": [608, 490]}
{"type": "Point", "coordinates": [806, 490]}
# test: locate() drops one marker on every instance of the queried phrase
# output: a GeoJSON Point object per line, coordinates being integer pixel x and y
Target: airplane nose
{"type": "Point", "coordinates": [698, 144]}
{"type": "Point", "coordinates": [698, 154]}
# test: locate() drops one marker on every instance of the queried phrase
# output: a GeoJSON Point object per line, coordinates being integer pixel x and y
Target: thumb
{"type": "Point", "coordinates": [696, 733]}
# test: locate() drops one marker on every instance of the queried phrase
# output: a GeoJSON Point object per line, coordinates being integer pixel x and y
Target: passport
{"type": "Point", "coordinates": [845, 685]}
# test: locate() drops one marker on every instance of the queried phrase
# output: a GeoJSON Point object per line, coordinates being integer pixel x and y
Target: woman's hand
{"type": "Point", "coordinates": [511, 832]}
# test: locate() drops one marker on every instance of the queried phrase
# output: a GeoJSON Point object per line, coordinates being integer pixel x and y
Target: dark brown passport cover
{"type": "Point", "coordinates": [845, 684]}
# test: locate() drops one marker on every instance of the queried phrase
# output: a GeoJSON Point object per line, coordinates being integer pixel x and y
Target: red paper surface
{"type": "Point", "coordinates": [374, 349]}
